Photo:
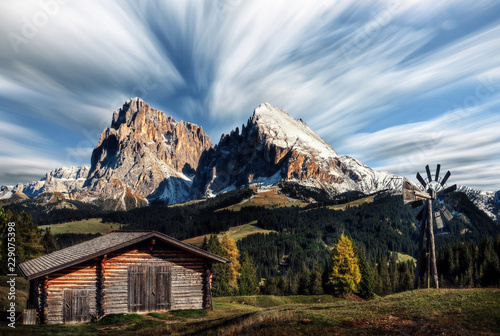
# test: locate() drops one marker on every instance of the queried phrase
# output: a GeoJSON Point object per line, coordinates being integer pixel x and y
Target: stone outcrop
{"type": "Point", "coordinates": [144, 154]}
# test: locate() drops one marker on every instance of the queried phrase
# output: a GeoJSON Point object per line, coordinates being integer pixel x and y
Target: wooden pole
{"type": "Point", "coordinates": [421, 238]}
{"type": "Point", "coordinates": [428, 250]}
{"type": "Point", "coordinates": [432, 248]}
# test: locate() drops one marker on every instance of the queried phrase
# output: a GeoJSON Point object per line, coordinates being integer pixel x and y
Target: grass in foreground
{"type": "Point", "coordinates": [423, 312]}
{"type": "Point", "coordinates": [92, 225]}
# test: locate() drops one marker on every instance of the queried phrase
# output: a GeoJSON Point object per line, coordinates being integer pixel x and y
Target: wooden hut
{"type": "Point", "coordinates": [121, 272]}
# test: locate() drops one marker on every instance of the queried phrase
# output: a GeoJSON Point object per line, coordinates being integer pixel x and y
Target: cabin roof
{"type": "Point", "coordinates": [99, 246]}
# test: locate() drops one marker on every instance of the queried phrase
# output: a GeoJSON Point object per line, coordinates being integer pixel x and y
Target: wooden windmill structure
{"type": "Point", "coordinates": [424, 196]}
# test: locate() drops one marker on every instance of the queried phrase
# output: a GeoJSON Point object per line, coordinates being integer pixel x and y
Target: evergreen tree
{"type": "Point", "coordinates": [49, 242]}
{"type": "Point", "coordinates": [220, 272]}
{"type": "Point", "coordinates": [385, 280]}
{"type": "Point", "coordinates": [233, 255]}
{"type": "Point", "coordinates": [304, 280]}
{"type": "Point", "coordinates": [269, 287]}
{"type": "Point", "coordinates": [27, 237]}
{"type": "Point", "coordinates": [405, 276]}
{"type": "Point", "coordinates": [344, 273]}
{"type": "Point", "coordinates": [488, 263]}
{"type": "Point", "coordinates": [393, 273]}
{"type": "Point", "coordinates": [316, 282]}
{"type": "Point", "coordinates": [377, 281]}
{"type": "Point", "coordinates": [204, 245]}
{"type": "Point", "coordinates": [293, 288]}
{"type": "Point", "coordinates": [496, 246]}
{"type": "Point", "coordinates": [248, 279]}
{"type": "Point", "coordinates": [366, 285]}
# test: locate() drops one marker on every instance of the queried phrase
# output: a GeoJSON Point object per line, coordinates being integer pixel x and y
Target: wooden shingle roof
{"type": "Point", "coordinates": [99, 246]}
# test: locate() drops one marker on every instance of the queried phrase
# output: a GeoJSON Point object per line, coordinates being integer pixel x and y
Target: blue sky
{"type": "Point", "coordinates": [395, 84]}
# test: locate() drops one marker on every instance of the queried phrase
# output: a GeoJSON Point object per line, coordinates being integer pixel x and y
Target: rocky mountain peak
{"type": "Point", "coordinates": [283, 131]}
{"type": "Point", "coordinates": [143, 149]}
{"type": "Point", "coordinates": [275, 147]}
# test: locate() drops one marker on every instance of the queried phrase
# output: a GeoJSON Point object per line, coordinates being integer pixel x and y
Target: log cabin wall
{"type": "Point", "coordinates": [69, 295]}
{"type": "Point", "coordinates": [188, 275]}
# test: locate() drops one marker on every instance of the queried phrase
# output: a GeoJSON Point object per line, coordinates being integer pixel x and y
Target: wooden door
{"type": "Point", "coordinates": [76, 307]}
{"type": "Point", "coordinates": [149, 288]}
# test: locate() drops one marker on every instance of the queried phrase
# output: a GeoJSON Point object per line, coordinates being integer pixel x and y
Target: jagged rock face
{"type": "Point", "coordinates": [141, 150]}
{"type": "Point", "coordinates": [275, 147]}
{"type": "Point", "coordinates": [64, 180]}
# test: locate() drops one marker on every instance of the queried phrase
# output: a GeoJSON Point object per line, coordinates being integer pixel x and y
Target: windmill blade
{"type": "Point", "coordinates": [450, 189]}
{"type": "Point", "coordinates": [421, 180]}
{"type": "Point", "coordinates": [420, 215]}
{"type": "Point", "coordinates": [412, 193]}
{"type": "Point", "coordinates": [438, 167]}
{"type": "Point", "coordinates": [446, 213]}
{"type": "Point", "coordinates": [429, 176]}
{"type": "Point", "coordinates": [438, 220]}
{"type": "Point", "coordinates": [416, 204]}
{"type": "Point", "coordinates": [445, 178]}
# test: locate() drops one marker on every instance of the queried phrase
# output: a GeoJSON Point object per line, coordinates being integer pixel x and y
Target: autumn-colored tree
{"type": "Point", "coordinates": [234, 267]}
{"type": "Point", "coordinates": [344, 273]}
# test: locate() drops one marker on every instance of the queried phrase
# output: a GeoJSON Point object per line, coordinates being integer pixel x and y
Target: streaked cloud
{"type": "Point", "coordinates": [361, 73]}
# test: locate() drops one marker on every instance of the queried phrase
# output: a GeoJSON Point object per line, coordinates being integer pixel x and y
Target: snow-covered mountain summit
{"type": "Point", "coordinates": [286, 132]}
{"type": "Point", "coordinates": [64, 180]}
{"type": "Point", "coordinates": [274, 147]}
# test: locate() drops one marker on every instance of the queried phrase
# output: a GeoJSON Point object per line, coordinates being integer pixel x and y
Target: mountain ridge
{"type": "Point", "coordinates": [146, 157]}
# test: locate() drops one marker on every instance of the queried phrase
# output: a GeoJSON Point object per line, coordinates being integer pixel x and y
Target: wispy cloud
{"type": "Point", "coordinates": [352, 69]}
{"type": "Point", "coordinates": [469, 147]}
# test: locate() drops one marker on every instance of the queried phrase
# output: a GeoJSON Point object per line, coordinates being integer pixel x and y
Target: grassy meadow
{"type": "Point", "coordinates": [422, 312]}
{"type": "Point", "coordinates": [236, 233]}
{"type": "Point", "coordinates": [92, 225]}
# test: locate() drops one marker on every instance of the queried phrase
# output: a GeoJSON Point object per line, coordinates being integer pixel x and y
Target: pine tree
{"type": "Point", "coordinates": [488, 264]}
{"type": "Point", "coordinates": [393, 273]}
{"type": "Point", "coordinates": [234, 267]}
{"type": "Point", "coordinates": [49, 242]}
{"type": "Point", "coordinates": [405, 276]}
{"type": "Point", "coordinates": [293, 288]}
{"type": "Point", "coordinates": [385, 280]}
{"type": "Point", "coordinates": [248, 279]}
{"type": "Point", "coordinates": [220, 272]}
{"type": "Point", "coordinates": [377, 281]}
{"type": "Point", "coordinates": [366, 285]}
{"type": "Point", "coordinates": [344, 273]}
{"type": "Point", "coordinates": [204, 245]}
{"type": "Point", "coordinates": [496, 245]}
{"type": "Point", "coordinates": [269, 287]}
{"type": "Point", "coordinates": [304, 280]}
{"type": "Point", "coordinates": [316, 283]}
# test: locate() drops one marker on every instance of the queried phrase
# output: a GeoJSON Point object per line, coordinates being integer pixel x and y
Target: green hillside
{"type": "Point", "coordinates": [92, 225]}
{"type": "Point", "coordinates": [237, 233]}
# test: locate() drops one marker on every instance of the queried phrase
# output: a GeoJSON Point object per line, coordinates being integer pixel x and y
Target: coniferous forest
{"type": "Point", "coordinates": [296, 257]}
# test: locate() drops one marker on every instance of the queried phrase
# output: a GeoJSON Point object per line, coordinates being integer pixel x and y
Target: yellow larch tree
{"type": "Point", "coordinates": [344, 273]}
{"type": "Point", "coordinates": [233, 255]}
